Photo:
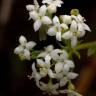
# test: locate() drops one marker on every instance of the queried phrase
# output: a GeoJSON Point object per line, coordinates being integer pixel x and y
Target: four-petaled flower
{"type": "Point", "coordinates": [23, 50]}
{"type": "Point", "coordinates": [77, 29]}
{"type": "Point", "coordinates": [57, 28]}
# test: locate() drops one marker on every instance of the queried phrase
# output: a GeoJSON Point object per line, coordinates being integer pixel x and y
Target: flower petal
{"type": "Point", "coordinates": [51, 31]}
{"type": "Point", "coordinates": [47, 59]}
{"type": "Point", "coordinates": [42, 54]}
{"type": "Point", "coordinates": [67, 35]}
{"type": "Point", "coordinates": [35, 75]}
{"type": "Point", "coordinates": [27, 54]}
{"type": "Point", "coordinates": [33, 15]}
{"type": "Point", "coordinates": [64, 26]}
{"type": "Point", "coordinates": [58, 36]}
{"type": "Point", "coordinates": [56, 20]}
{"type": "Point", "coordinates": [46, 20]}
{"type": "Point", "coordinates": [47, 1]}
{"type": "Point", "coordinates": [51, 74]}
{"type": "Point", "coordinates": [80, 18]}
{"type": "Point", "coordinates": [72, 75]}
{"type": "Point", "coordinates": [63, 55]}
{"type": "Point", "coordinates": [58, 3]}
{"type": "Point", "coordinates": [86, 27]}
{"type": "Point", "coordinates": [70, 63]}
{"type": "Point", "coordinates": [18, 50]}
{"type": "Point", "coordinates": [33, 68]}
{"type": "Point", "coordinates": [42, 10]}
{"type": "Point", "coordinates": [58, 67]}
{"type": "Point", "coordinates": [30, 7]}
{"type": "Point", "coordinates": [66, 19]}
{"type": "Point", "coordinates": [52, 8]}
{"type": "Point", "coordinates": [54, 54]}
{"type": "Point", "coordinates": [36, 4]}
{"type": "Point", "coordinates": [80, 27]}
{"type": "Point", "coordinates": [73, 26]}
{"type": "Point", "coordinates": [40, 62]}
{"type": "Point", "coordinates": [49, 48]}
{"type": "Point", "coordinates": [37, 25]}
{"type": "Point", "coordinates": [30, 45]}
{"type": "Point", "coordinates": [63, 81]}
{"type": "Point", "coordinates": [22, 40]}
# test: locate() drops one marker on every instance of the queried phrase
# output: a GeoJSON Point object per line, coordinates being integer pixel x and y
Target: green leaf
{"type": "Point", "coordinates": [34, 54]}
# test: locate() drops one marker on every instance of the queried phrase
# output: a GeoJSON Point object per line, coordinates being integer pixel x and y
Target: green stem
{"type": "Point", "coordinates": [86, 45]}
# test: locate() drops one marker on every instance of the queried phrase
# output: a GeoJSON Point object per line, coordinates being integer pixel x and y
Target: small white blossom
{"type": "Point", "coordinates": [58, 54]}
{"type": "Point", "coordinates": [56, 30]}
{"type": "Point", "coordinates": [34, 7]}
{"type": "Point", "coordinates": [48, 49]}
{"type": "Point", "coordinates": [49, 88]}
{"type": "Point", "coordinates": [77, 29]}
{"type": "Point", "coordinates": [23, 50]}
{"type": "Point", "coordinates": [52, 5]}
{"type": "Point", "coordinates": [45, 66]}
{"type": "Point", "coordinates": [57, 3]}
{"type": "Point", "coordinates": [40, 17]}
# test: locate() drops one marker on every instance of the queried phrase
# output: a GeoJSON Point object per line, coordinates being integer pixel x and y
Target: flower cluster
{"type": "Point", "coordinates": [55, 64]}
{"type": "Point", "coordinates": [64, 27]}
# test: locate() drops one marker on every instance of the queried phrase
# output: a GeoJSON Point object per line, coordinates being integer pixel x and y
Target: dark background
{"type": "Point", "coordinates": [13, 72]}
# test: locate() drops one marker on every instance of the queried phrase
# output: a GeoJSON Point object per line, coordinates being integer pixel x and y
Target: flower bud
{"type": "Point", "coordinates": [52, 8]}
{"type": "Point", "coordinates": [66, 19]}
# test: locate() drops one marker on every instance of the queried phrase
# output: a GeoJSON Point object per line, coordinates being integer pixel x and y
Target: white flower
{"type": "Point", "coordinates": [48, 49]}
{"type": "Point", "coordinates": [58, 54]}
{"type": "Point", "coordinates": [45, 66]}
{"type": "Point", "coordinates": [35, 74]}
{"type": "Point", "coordinates": [49, 88]}
{"type": "Point", "coordinates": [40, 17]}
{"type": "Point", "coordinates": [77, 29]}
{"type": "Point", "coordinates": [56, 30]}
{"type": "Point", "coordinates": [34, 7]}
{"type": "Point", "coordinates": [57, 3]}
{"type": "Point", "coordinates": [63, 72]}
{"type": "Point", "coordinates": [80, 20]}
{"type": "Point", "coordinates": [23, 50]}
{"type": "Point", "coordinates": [64, 66]}
{"type": "Point", "coordinates": [52, 5]}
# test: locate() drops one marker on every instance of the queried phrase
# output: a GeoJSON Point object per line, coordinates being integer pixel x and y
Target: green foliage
{"type": "Point", "coordinates": [91, 51]}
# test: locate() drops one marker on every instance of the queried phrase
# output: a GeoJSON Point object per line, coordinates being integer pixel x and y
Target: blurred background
{"type": "Point", "coordinates": [13, 23]}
